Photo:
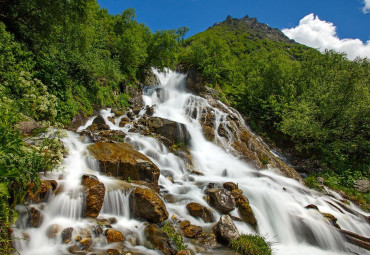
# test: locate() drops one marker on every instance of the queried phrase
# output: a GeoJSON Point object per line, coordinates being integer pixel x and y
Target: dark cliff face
{"type": "Point", "coordinates": [255, 29]}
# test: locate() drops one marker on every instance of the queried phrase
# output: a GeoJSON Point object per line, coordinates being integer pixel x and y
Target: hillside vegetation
{"type": "Point", "coordinates": [314, 106]}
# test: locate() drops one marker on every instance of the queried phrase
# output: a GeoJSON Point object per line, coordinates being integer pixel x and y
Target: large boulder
{"type": "Point", "coordinates": [198, 210]}
{"type": "Point", "coordinates": [225, 230]}
{"type": "Point", "coordinates": [35, 218]}
{"type": "Point", "coordinates": [94, 195]}
{"type": "Point", "coordinates": [174, 133]}
{"type": "Point", "coordinates": [123, 161]}
{"type": "Point", "coordinates": [159, 240]}
{"type": "Point", "coordinates": [221, 199]}
{"type": "Point", "coordinates": [43, 193]}
{"type": "Point", "coordinates": [146, 204]}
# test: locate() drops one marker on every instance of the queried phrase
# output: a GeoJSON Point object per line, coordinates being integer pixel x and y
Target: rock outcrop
{"type": "Point", "coordinates": [198, 210]}
{"type": "Point", "coordinates": [225, 230]}
{"type": "Point", "coordinates": [146, 204]}
{"type": "Point", "coordinates": [221, 199]}
{"type": "Point", "coordinates": [94, 195]}
{"type": "Point", "coordinates": [121, 160]}
{"type": "Point", "coordinates": [114, 236]}
{"type": "Point", "coordinates": [173, 132]}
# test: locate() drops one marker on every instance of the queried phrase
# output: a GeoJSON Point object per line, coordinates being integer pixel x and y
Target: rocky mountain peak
{"type": "Point", "coordinates": [256, 29]}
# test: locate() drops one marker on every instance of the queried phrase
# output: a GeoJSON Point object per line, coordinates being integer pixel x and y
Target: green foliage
{"type": "Point", "coordinates": [312, 104]}
{"type": "Point", "coordinates": [174, 236]}
{"type": "Point", "coordinates": [251, 245]}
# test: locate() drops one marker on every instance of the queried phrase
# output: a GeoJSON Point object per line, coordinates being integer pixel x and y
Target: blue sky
{"type": "Point", "coordinates": [350, 18]}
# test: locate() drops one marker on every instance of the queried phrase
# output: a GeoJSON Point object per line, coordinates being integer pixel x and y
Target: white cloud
{"type": "Point", "coordinates": [366, 8]}
{"type": "Point", "coordinates": [322, 35]}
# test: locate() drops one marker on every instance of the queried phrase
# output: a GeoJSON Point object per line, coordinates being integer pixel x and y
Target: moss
{"type": "Point", "coordinates": [174, 236]}
{"type": "Point", "coordinates": [251, 245]}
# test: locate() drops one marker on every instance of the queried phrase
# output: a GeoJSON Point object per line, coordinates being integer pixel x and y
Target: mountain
{"type": "Point", "coordinates": [255, 29]}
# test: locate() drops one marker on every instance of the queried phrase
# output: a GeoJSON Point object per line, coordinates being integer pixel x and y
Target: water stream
{"type": "Point", "coordinates": [278, 202]}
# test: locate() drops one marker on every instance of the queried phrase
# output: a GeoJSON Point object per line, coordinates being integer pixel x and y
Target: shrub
{"type": "Point", "coordinates": [251, 245]}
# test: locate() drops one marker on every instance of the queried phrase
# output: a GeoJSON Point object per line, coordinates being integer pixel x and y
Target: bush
{"type": "Point", "coordinates": [251, 245]}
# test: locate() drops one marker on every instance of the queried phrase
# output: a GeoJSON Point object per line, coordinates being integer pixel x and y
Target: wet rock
{"type": "Point", "coordinates": [97, 230]}
{"type": "Point", "coordinates": [184, 252]}
{"type": "Point", "coordinates": [136, 110]}
{"type": "Point", "coordinates": [230, 186]}
{"type": "Point", "coordinates": [245, 211]}
{"type": "Point", "coordinates": [236, 193]}
{"type": "Point", "coordinates": [149, 110]}
{"type": "Point", "coordinates": [123, 161]}
{"type": "Point", "coordinates": [112, 119]}
{"type": "Point", "coordinates": [362, 185]}
{"type": "Point", "coordinates": [110, 135]}
{"type": "Point", "coordinates": [146, 204]}
{"type": "Point", "coordinates": [53, 230]}
{"type": "Point", "coordinates": [124, 121]}
{"type": "Point", "coordinates": [207, 240]}
{"type": "Point", "coordinates": [312, 206]}
{"type": "Point", "coordinates": [159, 240]}
{"type": "Point", "coordinates": [114, 236]}
{"type": "Point", "coordinates": [332, 220]}
{"type": "Point", "coordinates": [225, 230]}
{"type": "Point", "coordinates": [174, 132]}
{"type": "Point", "coordinates": [192, 231]}
{"type": "Point", "coordinates": [35, 218]}
{"type": "Point", "coordinates": [221, 199]}
{"type": "Point", "coordinates": [67, 235]}
{"type": "Point", "coordinates": [113, 252]}
{"type": "Point", "coordinates": [94, 195]}
{"type": "Point", "coordinates": [184, 224]}
{"type": "Point", "coordinates": [44, 191]}
{"type": "Point", "coordinates": [198, 210]}
{"type": "Point", "coordinates": [86, 243]}
{"type": "Point", "coordinates": [98, 124]}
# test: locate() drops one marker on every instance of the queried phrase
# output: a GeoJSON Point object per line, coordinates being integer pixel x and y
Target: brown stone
{"type": "Point", "coordinates": [146, 204]}
{"type": "Point", "coordinates": [124, 121]}
{"type": "Point", "coordinates": [236, 193]}
{"type": "Point", "coordinates": [184, 252]}
{"type": "Point", "coordinates": [198, 210]}
{"type": "Point", "coordinates": [114, 236]}
{"type": "Point", "coordinates": [98, 124]}
{"type": "Point", "coordinates": [95, 192]}
{"type": "Point", "coordinates": [26, 127]}
{"type": "Point", "coordinates": [86, 243]}
{"type": "Point", "coordinates": [67, 235]}
{"type": "Point", "coordinates": [207, 240]}
{"type": "Point", "coordinates": [44, 191]}
{"type": "Point", "coordinates": [192, 231]}
{"type": "Point", "coordinates": [35, 218]}
{"type": "Point", "coordinates": [246, 212]}
{"type": "Point", "coordinates": [312, 206]}
{"type": "Point", "coordinates": [122, 161]}
{"type": "Point", "coordinates": [230, 186]}
{"type": "Point", "coordinates": [184, 224]}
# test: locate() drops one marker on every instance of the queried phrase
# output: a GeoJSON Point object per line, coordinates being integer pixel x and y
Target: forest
{"type": "Point", "coordinates": [62, 58]}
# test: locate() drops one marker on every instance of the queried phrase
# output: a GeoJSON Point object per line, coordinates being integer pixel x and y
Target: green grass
{"type": "Point", "coordinates": [251, 245]}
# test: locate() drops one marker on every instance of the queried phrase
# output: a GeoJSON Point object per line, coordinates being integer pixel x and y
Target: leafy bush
{"type": "Point", "coordinates": [251, 245]}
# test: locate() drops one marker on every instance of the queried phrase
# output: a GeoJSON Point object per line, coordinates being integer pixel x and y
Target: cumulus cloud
{"type": "Point", "coordinates": [366, 8]}
{"type": "Point", "coordinates": [322, 35]}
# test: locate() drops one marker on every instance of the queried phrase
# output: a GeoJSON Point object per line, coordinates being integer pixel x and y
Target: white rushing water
{"type": "Point", "coordinates": [278, 202]}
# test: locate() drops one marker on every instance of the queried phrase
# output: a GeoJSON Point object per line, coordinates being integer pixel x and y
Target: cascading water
{"type": "Point", "coordinates": [278, 202]}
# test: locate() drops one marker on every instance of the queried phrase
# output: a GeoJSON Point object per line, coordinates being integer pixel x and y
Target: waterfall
{"type": "Point", "coordinates": [278, 202]}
